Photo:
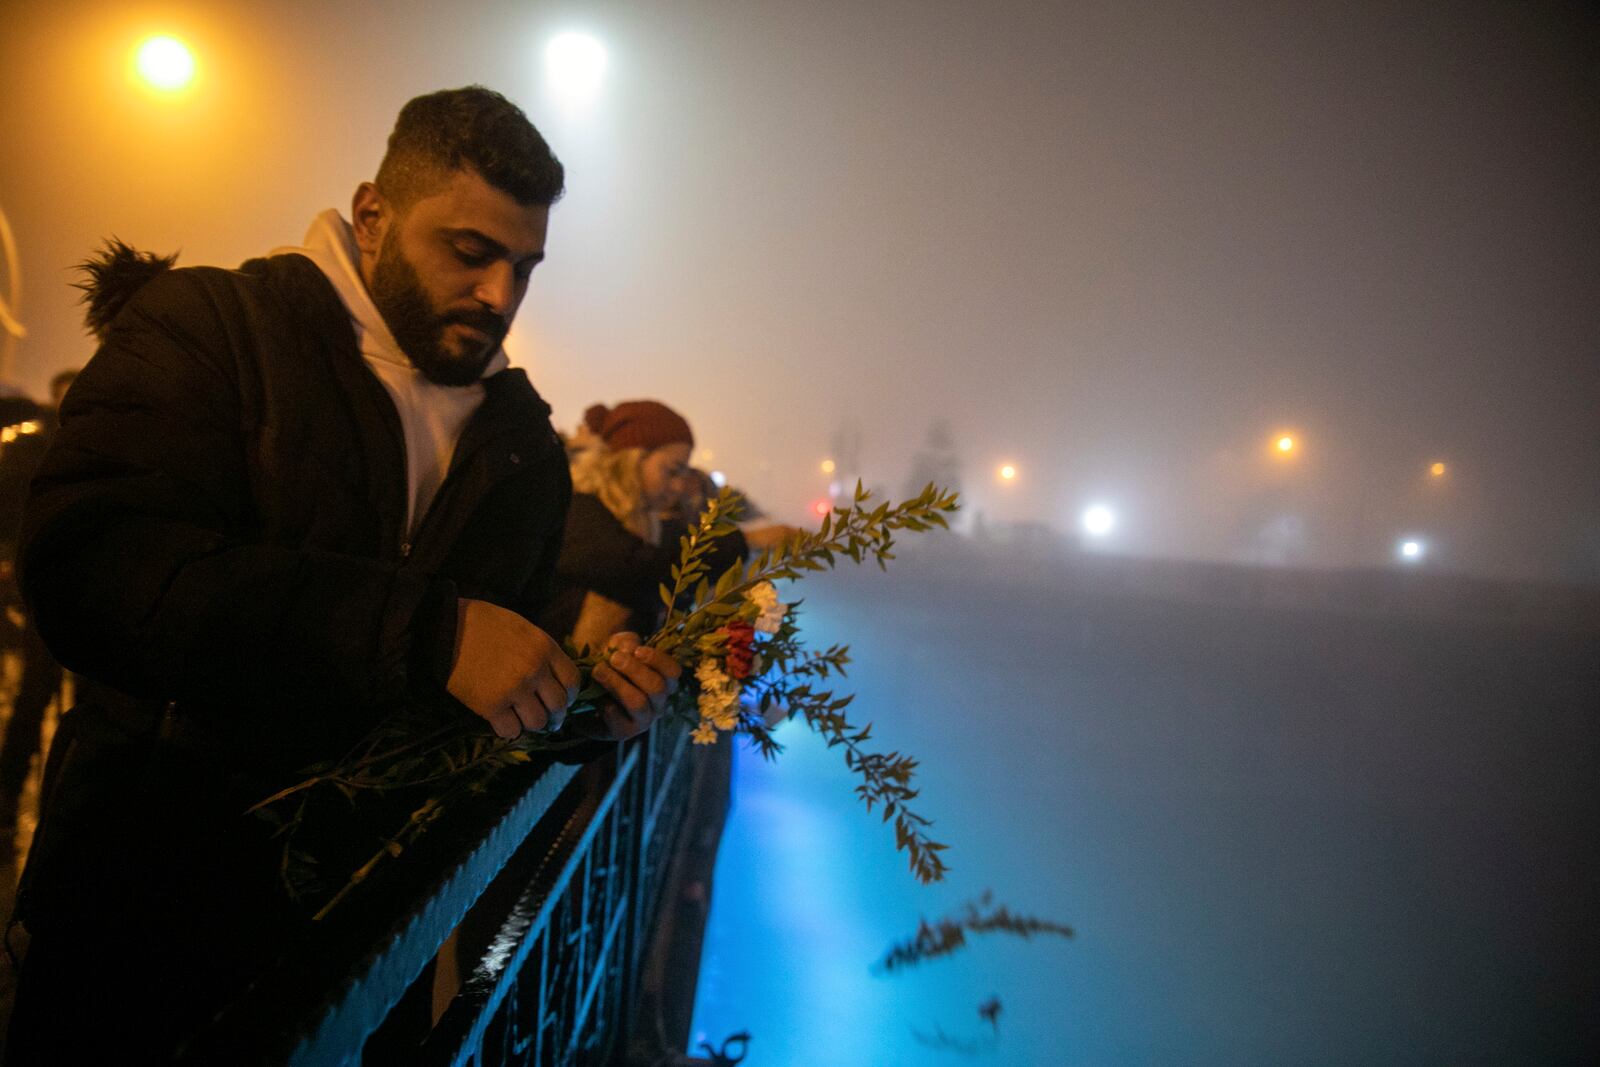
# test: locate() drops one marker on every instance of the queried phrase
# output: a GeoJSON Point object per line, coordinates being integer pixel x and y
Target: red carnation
{"type": "Point", "coordinates": [741, 651]}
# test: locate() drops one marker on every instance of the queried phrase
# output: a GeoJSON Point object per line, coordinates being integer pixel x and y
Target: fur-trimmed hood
{"type": "Point", "coordinates": [111, 277]}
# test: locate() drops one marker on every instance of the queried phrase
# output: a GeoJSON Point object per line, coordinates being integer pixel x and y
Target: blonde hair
{"type": "Point", "coordinates": [612, 477]}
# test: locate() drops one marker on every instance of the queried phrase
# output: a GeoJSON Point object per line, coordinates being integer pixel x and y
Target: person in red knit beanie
{"type": "Point", "coordinates": [647, 424]}
{"type": "Point", "coordinates": [629, 464]}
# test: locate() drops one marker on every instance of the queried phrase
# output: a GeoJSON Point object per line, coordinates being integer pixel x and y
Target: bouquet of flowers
{"type": "Point", "coordinates": [734, 637]}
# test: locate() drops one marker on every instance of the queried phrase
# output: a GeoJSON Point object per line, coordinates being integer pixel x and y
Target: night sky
{"type": "Point", "coordinates": [1120, 246]}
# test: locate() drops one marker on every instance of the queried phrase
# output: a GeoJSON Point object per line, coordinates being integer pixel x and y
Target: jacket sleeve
{"type": "Point", "coordinates": [137, 557]}
{"type": "Point", "coordinates": [599, 553]}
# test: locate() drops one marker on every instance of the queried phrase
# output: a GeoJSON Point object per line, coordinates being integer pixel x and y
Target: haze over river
{"type": "Point", "coordinates": [1282, 836]}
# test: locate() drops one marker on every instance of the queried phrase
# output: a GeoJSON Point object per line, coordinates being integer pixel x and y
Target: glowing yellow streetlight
{"type": "Point", "coordinates": [1285, 444]}
{"type": "Point", "coordinates": [1437, 470]}
{"type": "Point", "coordinates": [1008, 473]}
{"type": "Point", "coordinates": [828, 466]}
{"type": "Point", "coordinates": [575, 65]}
{"type": "Point", "coordinates": [165, 63]}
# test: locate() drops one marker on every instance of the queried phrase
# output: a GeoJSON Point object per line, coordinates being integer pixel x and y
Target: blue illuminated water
{"type": "Point", "coordinates": [1282, 839]}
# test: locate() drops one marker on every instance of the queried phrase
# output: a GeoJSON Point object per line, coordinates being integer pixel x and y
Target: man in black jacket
{"type": "Point", "coordinates": [282, 501]}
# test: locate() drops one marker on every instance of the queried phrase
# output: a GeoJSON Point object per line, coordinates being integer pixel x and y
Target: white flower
{"type": "Point", "coordinates": [710, 675]}
{"type": "Point", "coordinates": [719, 696]}
{"type": "Point", "coordinates": [764, 595]}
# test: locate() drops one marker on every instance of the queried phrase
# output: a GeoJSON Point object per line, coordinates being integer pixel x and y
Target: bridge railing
{"type": "Point", "coordinates": [516, 933]}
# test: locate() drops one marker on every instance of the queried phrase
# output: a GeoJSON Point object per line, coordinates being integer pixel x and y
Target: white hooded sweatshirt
{"type": "Point", "coordinates": [432, 415]}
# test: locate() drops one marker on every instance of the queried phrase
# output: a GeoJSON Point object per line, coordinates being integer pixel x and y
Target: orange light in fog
{"type": "Point", "coordinates": [165, 63]}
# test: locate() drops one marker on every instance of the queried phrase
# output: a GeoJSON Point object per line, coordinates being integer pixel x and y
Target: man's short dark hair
{"type": "Point", "coordinates": [471, 128]}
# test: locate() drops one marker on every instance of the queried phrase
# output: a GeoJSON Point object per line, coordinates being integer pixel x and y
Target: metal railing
{"type": "Point", "coordinates": [558, 884]}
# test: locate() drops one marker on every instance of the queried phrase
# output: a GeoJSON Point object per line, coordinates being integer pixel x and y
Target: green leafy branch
{"type": "Point", "coordinates": [949, 934]}
{"type": "Point", "coordinates": [857, 532]}
{"type": "Point", "coordinates": [885, 778]}
{"type": "Point", "coordinates": [417, 747]}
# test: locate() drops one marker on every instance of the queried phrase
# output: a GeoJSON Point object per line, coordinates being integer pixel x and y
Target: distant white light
{"type": "Point", "coordinates": [719, 479]}
{"type": "Point", "coordinates": [1098, 520]}
{"type": "Point", "coordinates": [575, 64]}
{"type": "Point", "coordinates": [1412, 550]}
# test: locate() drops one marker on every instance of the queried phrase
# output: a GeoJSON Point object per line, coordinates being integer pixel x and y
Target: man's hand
{"type": "Point", "coordinates": [509, 671]}
{"type": "Point", "coordinates": [640, 679]}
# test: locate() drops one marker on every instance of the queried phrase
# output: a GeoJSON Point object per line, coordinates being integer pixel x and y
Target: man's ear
{"type": "Point", "coordinates": [370, 217]}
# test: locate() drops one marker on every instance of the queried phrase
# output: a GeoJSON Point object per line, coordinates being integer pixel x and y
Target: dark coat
{"type": "Point", "coordinates": [219, 521]}
{"type": "Point", "coordinates": [599, 554]}
{"type": "Point", "coordinates": [215, 542]}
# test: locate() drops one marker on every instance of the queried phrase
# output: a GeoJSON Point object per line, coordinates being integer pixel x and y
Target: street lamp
{"type": "Point", "coordinates": [1098, 520]}
{"type": "Point", "coordinates": [828, 466]}
{"type": "Point", "coordinates": [1008, 473]}
{"type": "Point", "coordinates": [1285, 444]}
{"type": "Point", "coordinates": [1437, 470]}
{"type": "Point", "coordinates": [165, 63]}
{"type": "Point", "coordinates": [575, 63]}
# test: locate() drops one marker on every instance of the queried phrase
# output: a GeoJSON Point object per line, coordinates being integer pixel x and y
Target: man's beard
{"type": "Point", "coordinates": [419, 330]}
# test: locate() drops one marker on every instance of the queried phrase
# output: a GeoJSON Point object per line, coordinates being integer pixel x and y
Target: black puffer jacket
{"type": "Point", "coordinates": [215, 541]}
{"type": "Point", "coordinates": [220, 519]}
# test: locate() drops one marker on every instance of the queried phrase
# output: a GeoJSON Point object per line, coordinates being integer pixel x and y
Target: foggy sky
{"type": "Point", "coordinates": [1117, 245]}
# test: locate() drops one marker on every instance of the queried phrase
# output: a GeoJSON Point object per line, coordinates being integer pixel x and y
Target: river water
{"type": "Point", "coordinates": [1282, 837]}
